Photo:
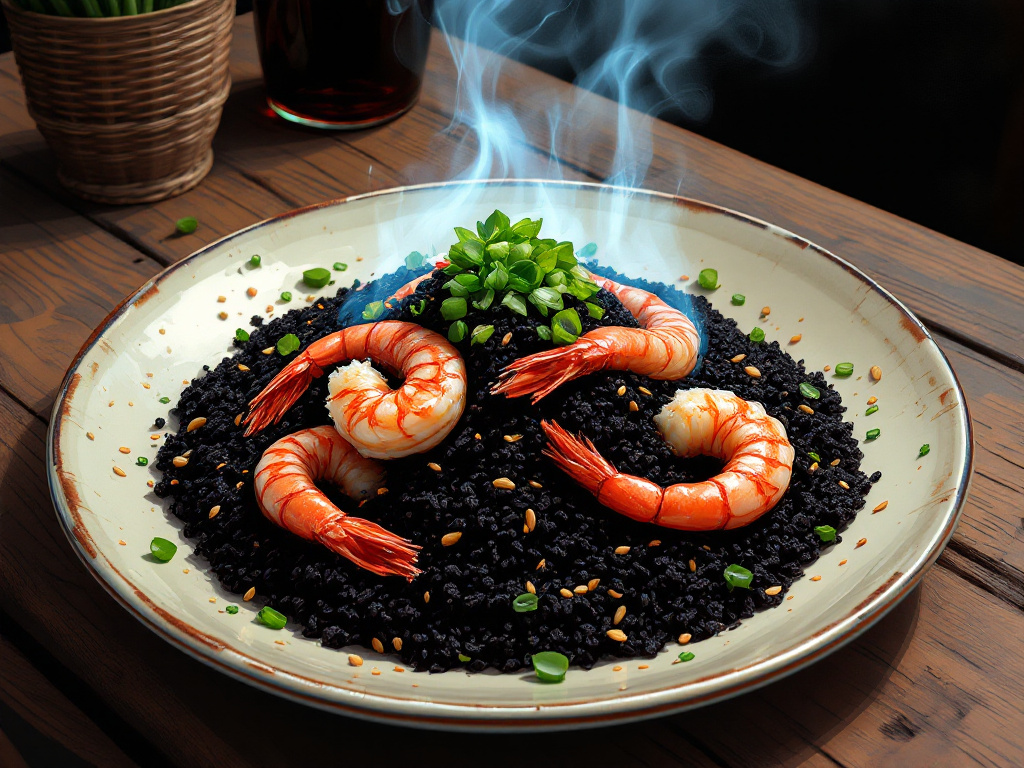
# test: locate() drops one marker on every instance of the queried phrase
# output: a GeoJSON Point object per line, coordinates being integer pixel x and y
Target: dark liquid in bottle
{"type": "Point", "coordinates": [342, 63]}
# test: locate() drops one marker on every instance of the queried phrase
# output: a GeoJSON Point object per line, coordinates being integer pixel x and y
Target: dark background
{"type": "Point", "coordinates": [915, 106]}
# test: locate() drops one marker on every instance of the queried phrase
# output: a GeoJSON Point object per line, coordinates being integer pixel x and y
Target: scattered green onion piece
{"type": "Point", "coordinates": [814, 456]}
{"type": "Point", "coordinates": [873, 434]}
{"type": "Point", "coordinates": [757, 335]}
{"type": "Point", "coordinates": [142, 461]}
{"type": "Point", "coordinates": [708, 278]}
{"type": "Point", "coordinates": [286, 296]}
{"type": "Point", "coordinates": [808, 391]}
{"type": "Point", "coordinates": [524, 603]}
{"type": "Point", "coordinates": [924, 450]}
{"type": "Point", "coordinates": [481, 334]}
{"type": "Point", "coordinates": [871, 410]}
{"type": "Point", "coordinates": [317, 277]}
{"type": "Point", "coordinates": [825, 532]}
{"type": "Point", "coordinates": [373, 310]}
{"type": "Point", "coordinates": [272, 618]}
{"type": "Point", "coordinates": [417, 309]}
{"type": "Point", "coordinates": [566, 327]}
{"type": "Point", "coordinates": [844, 369]}
{"type": "Point", "coordinates": [187, 225]}
{"type": "Point", "coordinates": [232, 609]}
{"type": "Point", "coordinates": [464, 658]}
{"type": "Point", "coordinates": [340, 266]}
{"type": "Point", "coordinates": [241, 334]}
{"type": "Point", "coordinates": [550, 666]}
{"type": "Point", "coordinates": [255, 260]}
{"type": "Point", "coordinates": [453, 308]}
{"type": "Point", "coordinates": [739, 299]}
{"type": "Point", "coordinates": [596, 311]}
{"type": "Point", "coordinates": [738, 576]}
{"type": "Point", "coordinates": [686, 656]}
{"type": "Point", "coordinates": [544, 332]}
{"type": "Point", "coordinates": [457, 331]}
{"type": "Point", "coordinates": [165, 400]}
{"type": "Point", "coordinates": [484, 301]}
{"type": "Point", "coordinates": [162, 549]}
{"type": "Point", "coordinates": [515, 302]}
{"type": "Point", "coordinates": [287, 344]}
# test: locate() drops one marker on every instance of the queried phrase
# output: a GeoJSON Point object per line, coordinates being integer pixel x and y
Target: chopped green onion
{"type": "Point", "coordinates": [287, 344]}
{"type": "Point", "coordinates": [566, 327]}
{"type": "Point", "coordinates": [738, 576]}
{"type": "Point", "coordinates": [286, 296]}
{"type": "Point", "coordinates": [808, 391]}
{"type": "Point", "coordinates": [272, 618]}
{"type": "Point", "coordinates": [844, 369]}
{"type": "Point", "coordinates": [317, 277]}
{"type": "Point", "coordinates": [340, 266]}
{"type": "Point", "coordinates": [924, 450]}
{"type": "Point", "coordinates": [187, 225]}
{"type": "Point", "coordinates": [686, 656]}
{"type": "Point", "coordinates": [417, 309]}
{"type": "Point", "coordinates": [814, 456]}
{"type": "Point", "coordinates": [457, 331]}
{"type": "Point", "coordinates": [708, 278]}
{"type": "Point", "coordinates": [872, 434]}
{"type": "Point", "coordinates": [515, 302]}
{"type": "Point", "coordinates": [241, 334]}
{"type": "Point", "coordinates": [757, 335]}
{"type": "Point", "coordinates": [525, 602]}
{"type": "Point", "coordinates": [596, 311]}
{"type": "Point", "coordinates": [142, 461]}
{"type": "Point", "coordinates": [544, 332]}
{"type": "Point", "coordinates": [255, 260]}
{"type": "Point", "coordinates": [464, 658]}
{"type": "Point", "coordinates": [165, 400]}
{"type": "Point", "coordinates": [453, 308]}
{"type": "Point", "coordinates": [825, 532]}
{"type": "Point", "coordinates": [373, 310]}
{"type": "Point", "coordinates": [484, 300]}
{"type": "Point", "coordinates": [739, 299]}
{"type": "Point", "coordinates": [481, 334]}
{"type": "Point", "coordinates": [871, 410]}
{"type": "Point", "coordinates": [550, 666]}
{"type": "Point", "coordinates": [162, 549]}
{"type": "Point", "coordinates": [232, 609]}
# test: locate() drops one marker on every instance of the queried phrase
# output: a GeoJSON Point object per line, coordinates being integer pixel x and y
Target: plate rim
{"type": "Point", "coordinates": [466, 715]}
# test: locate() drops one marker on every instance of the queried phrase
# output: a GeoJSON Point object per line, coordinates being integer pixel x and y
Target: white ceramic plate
{"type": "Point", "coordinates": [164, 333]}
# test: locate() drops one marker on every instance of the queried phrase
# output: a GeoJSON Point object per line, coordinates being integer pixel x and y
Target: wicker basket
{"type": "Point", "coordinates": [128, 105]}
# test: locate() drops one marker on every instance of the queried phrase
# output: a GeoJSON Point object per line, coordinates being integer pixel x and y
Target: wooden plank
{"type": "Point", "coordinates": [40, 704]}
{"type": "Point", "coordinates": [9, 755]}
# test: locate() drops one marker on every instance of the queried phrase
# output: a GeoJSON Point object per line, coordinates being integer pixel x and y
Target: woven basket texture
{"type": "Point", "coordinates": [129, 105]}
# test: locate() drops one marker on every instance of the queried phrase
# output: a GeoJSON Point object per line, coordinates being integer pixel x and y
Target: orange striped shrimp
{"type": "Point", "coordinates": [286, 492]}
{"type": "Point", "coordinates": [378, 421]}
{"type": "Point", "coordinates": [712, 422]}
{"type": "Point", "coordinates": [663, 347]}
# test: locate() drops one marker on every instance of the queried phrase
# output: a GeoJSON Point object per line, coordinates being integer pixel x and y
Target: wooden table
{"type": "Point", "coordinates": [940, 681]}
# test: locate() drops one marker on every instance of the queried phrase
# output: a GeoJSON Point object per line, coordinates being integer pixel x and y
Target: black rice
{"type": "Point", "coordinates": [472, 584]}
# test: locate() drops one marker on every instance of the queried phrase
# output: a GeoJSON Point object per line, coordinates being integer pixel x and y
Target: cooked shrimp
{"type": "Point", "coordinates": [665, 346]}
{"type": "Point", "coordinates": [286, 491]}
{"type": "Point", "coordinates": [379, 421]}
{"type": "Point", "coordinates": [758, 456]}
{"type": "Point", "coordinates": [410, 288]}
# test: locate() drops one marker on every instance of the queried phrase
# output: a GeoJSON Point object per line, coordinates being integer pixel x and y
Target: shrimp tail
{"type": "Point", "coordinates": [542, 373]}
{"type": "Point", "coordinates": [577, 457]}
{"type": "Point", "coordinates": [369, 546]}
{"type": "Point", "coordinates": [280, 394]}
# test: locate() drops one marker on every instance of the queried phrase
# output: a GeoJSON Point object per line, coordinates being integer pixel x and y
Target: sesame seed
{"type": "Point", "coordinates": [693, 566]}
{"type": "Point", "coordinates": [621, 550]}
{"type": "Point", "coordinates": [249, 594]}
{"type": "Point", "coordinates": [124, 449]}
{"type": "Point", "coordinates": [805, 408]}
{"type": "Point", "coordinates": [592, 584]}
{"type": "Point", "coordinates": [119, 472]}
{"type": "Point", "coordinates": [175, 481]}
{"type": "Point", "coordinates": [354, 660]}
{"type": "Point", "coordinates": [621, 391]}
{"type": "Point", "coordinates": [221, 299]}
{"type": "Point", "coordinates": [618, 668]}
{"type": "Point", "coordinates": [876, 373]}
{"type": "Point", "coordinates": [580, 589]}
{"type": "Point", "coordinates": [827, 368]}
{"type": "Point", "coordinates": [154, 437]}
{"type": "Point", "coordinates": [250, 291]}
{"type": "Point", "coordinates": [270, 309]}
{"type": "Point", "coordinates": [222, 465]}
{"type": "Point", "coordinates": [213, 599]}
{"type": "Point", "coordinates": [860, 543]}
{"type": "Point", "coordinates": [378, 646]}
{"type": "Point", "coordinates": [380, 491]}
{"type": "Point", "coordinates": [179, 461]}
{"type": "Point", "coordinates": [90, 435]}
{"type": "Point", "coordinates": [614, 593]}
{"type": "Point", "coordinates": [872, 400]}
{"type": "Point", "coordinates": [644, 391]}
{"type": "Point", "coordinates": [815, 578]}
{"type": "Point", "coordinates": [564, 592]}
{"type": "Point", "coordinates": [541, 564]}
{"type": "Point", "coordinates": [477, 436]}
{"type": "Point", "coordinates": [110, 404]}
{"type": "Point", "coordinates": [268, 351]}
{"type": "Point", "coordinates": [766, 311]}
{"type": "Point", "coordinates": [122, 542]}
{"type": "Point", "coordinates": [654, 543]}
{"type": "Point", "coordinates": [752, 371]}
{"type": "Point", "coordinates": [238, 485]}
{"type": "Point", "coordinates": [504, 483]}
{"type": "Point", "coordinates": [685, 638]}
{"type": "Point", "coordinates": [434, 466]}
{"type": "Point", "coordinates": [535, 484]}
{"type": "Point", "coordinates": [705, 547]}
{"type": "Point", "coordinates": [426, 597]}
{"type": "Point", "coordinates": [738, 359]}
{"type": "Point", "coordinates": [531, 519]}
{"type": "Point", "coordinates": [620, 614]}
{"type": "Point", "coordinates": [834, 463]}
{"type": "Point", "coordinates": [242, 367]}
{"type": "Point", "coordinates": [150, 483]}
{"type": "Point", "coordinates": [773, 590]}
{"type": "Point", "coordinates": [512, 438]}
{"type": "Point", "coordinates": [633, 407]}
{"type": "Point", "coordinates": [881, 506]}
{"type": "Point", "coordinates": [196, 423]}
{"type": "Point", "coordinates": [238, 419]}
{"type": "Point", "coordinates": [506, 338]}
{"type": "Point", "coordinates": [813, 467]}
{"type": "Point", "coordinates": [451, 538]}
{"type": "Point", "coordinates": [795, 339]}
{"type": "Point", "coordinates": [214, 511]}
{"type": "Point", "coordinates": [530, 588]}
{"type": "Point", "coordinates": [843, 562]}
{"type": "Point", "coordinates": [399, 669]}
{"type": "Point", "coordinates": [163, 331]}
{"type": "Point", "coordinates": [617, 634]}
{"type": "Point", "coordinates": [526, 528]}
{"type": "Point", "coordinates": [844, 485]}
{"type": "Point", "coordinates": [146, 385]}
{"type": "Point", "coordinates": [643, 666]}
{"type": "Point", "coordinates": [222, 315]}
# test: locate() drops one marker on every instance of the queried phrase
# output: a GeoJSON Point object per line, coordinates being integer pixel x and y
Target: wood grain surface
{"type": "Point", "coordinates": [940, 681]}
